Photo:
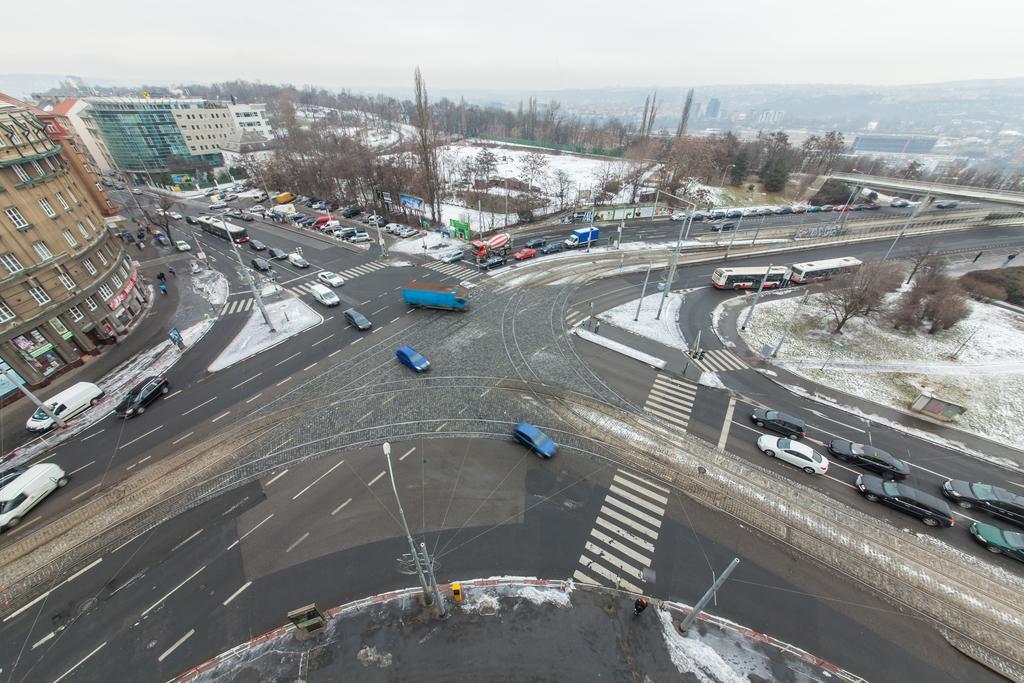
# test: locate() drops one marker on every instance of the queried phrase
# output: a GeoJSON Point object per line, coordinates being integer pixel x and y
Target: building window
{"type": "Point", "coordinates": [66, 280]}
{"type": "Point", "coordinates": [123, 271]}
{"type": "Point", "coordinates": [90, 303]}
{"type": "Point", "coordinates": [76, 313]}
{"type": "Point", "coordinates": [63, 202]}
{"type": "Point", "coordinates": [16, 218]}
{"type": "Point", "coordinates": [20, 172]}
{"type": "Point", "coordinates": [91, 225]}
{"type": "Point", "coordinates": [47, 207]}
{"type": "Point", "coordinates": [70, 239]}
{"type": "Point", "coordinates": [50, 164]}
{"type": "Point", "coordinates": [73, 196]}
{"type": "Point", "coordinates": [39, 169]}
{"type": "Point", "coordinates": [42, 250]}
{"type": "Point", "coordinates": [105, 292]}
{"type": "Point", "coordinates": [40, 295]}
{"type": "Point", "coordinates": [15, 139]}
{"type": "Point", "coordinates": [102, 258]}
{"type": "Point", "coordinates": [82, 231]}
{"type": "Point", "coordinates": [89, 267]}
{"type": "Point", "coordinates": [11, 263]}
{"type": "Point", "coordinates": [5, 313]}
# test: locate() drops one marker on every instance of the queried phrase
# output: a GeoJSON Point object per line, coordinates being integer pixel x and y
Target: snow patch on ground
{"type": "Point", "coordinates": [290, 317]}
{"type": "Point", "coordinates": [212, 285]}
{"type": "Point", "coordinates": [620, 348]}
{"type": "Point", "coordinates": [711, 379]}
{"type": "Point", "coordinates": [693, 656]}
{"type": "Point", "coordinates": [437, 244]}
{"type": "Point", "coordinates": [664, 330]}
{"type": "Point", "coordinates": [609, 425]}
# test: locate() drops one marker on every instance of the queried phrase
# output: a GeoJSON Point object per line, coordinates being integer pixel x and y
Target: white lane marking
{"type": "Point", "coordinates": [277, 476]}
{"type": "Point", "coordinates": [186, 540]}
{"type": "Point", "coordinates": [374, 480]}
{"type": "Point", "coordinates": [171, 592]}
{"type": "Point", "coordinates": [395, 320]}
{"type": "Point", "coordinates": [242, 537]}
{"type": "Point", "coordinates": [332, 354]}
{"type": "Point", "coordinates": [221, 416]}
{"type": "Point", "coordinates": [133, 465]}
{"type": "Point", "coordinates": [81, 468]}
{"type": "Point", "coordinates": [356, 341]}
{"type": "Point", "coordinates": [620, 547]}
{"type": "Point", "coordinates": [80, 663]}
{"type": "Point", "coordinates": [181, 438]}
{"type": "Point", "coordinates": [299, 540]}
{"type": "Point", "coordinates": [628, 522]}
{"type": "Point", "coordinates": [199, 406]}
{"type": "Point", "coordinates": [322, 340]}
{"type": "Point", "coordinates": [247, 380]}
{"type": "Point", "coordinates": [407, 453]}
{"type": "Point", "coordinates": [43, 595]}
{"type": "Point", "coordinates": [174, 647]}
{"type": "Point", "coordinates": [336, 466]}
{"type": "Point", "coordinates": [366, 302]}
{"type": "Point", "coordinates": [237, 593]}
{"type": "Point", "coordinates": [86, 438]}
{"type": "Point", "coordinates": [42, 640]}
{"type": "Point", "coordinates": [96, 485]}
{"type": "Point", "coordinates": [286, 379]}
{"type": "Point", "coordinates": [645, 482]}
{"type": "Point", "coordinates": [311, 365]}
{"type": "Point", "coordinates": [641, 489]}
{"type": "Point", "coordinates": [944, 476]}
{"type": "Point", "coordinates": [287, 359]}
{"type": "Point", "coordinates": [643, 516]}
{"type": "Point", "coordinates": [254, 397]}
{"type": "Point", "coordinates": [379, 310]}
{"type": "Point", "coordinates": [364, 416]}
{"type": "Point", "coordinates": [615, 561]}
{"type": "Point", "coordinates": [172, 395]}
{"type": "Point", "coordinates": [441, 426]}
{"type": "Point", "coordinates": [724, 436]}
{"type": "Point", "coordinates": [637, 500]}
{"type": "Point", "coordinates": [141, 437]}
{"type": "Point", "coordinates": [340, 507]}
{"type": "Point", "coordinates": [619, 531]}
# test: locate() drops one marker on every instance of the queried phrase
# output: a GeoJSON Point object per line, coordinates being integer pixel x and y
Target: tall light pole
{"type": "Point", "coordinates": [675, 255]}
{"type": "Point", "coordinates": [917, 210]}
{"type": "Point", "coordinates": [248, 274]}
{"type": "Point", "coordinates": [757, 295]}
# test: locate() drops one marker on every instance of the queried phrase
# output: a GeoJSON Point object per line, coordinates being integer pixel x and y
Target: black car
{"type": "Point", "coordinates": [262, 265]}
{"type": "Point", "coordinates": [724, 227]}
{"type": "Point", "coordinates": [697, 216]}
{"type": "Point", "coordinates": [357, 320]}
{"type": "Point", "coordinates": [930, 509]}
{"type": "Point", "coordinates": [307, 222]}
{"type": "Point", "coordinates": [994, 500]}
{"type": "Point", "coordinates": [552, 248]}
{"type": "Point", "coordinates": [256, 245]}
{"type": "Point", "coordinates": [734, 213]}
{"type": "Point", "coordinates": [870, 458]}
{"type": "Point", "coordinates": [493, 262]}
{"type": "Point", "coordinates": [536, 243]}
{"type": "Point", "coordinates": [275, 253]}
{"type": "Point", "coordinates": [191, 220]}
{"type": "Point", "coordinates": [784, 424]}
{"type": "Point", "coordinates": [145, 392]}
{"type": "Point", "coordinates": [351, 212]}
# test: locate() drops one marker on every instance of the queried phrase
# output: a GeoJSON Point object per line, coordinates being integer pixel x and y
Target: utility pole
{"type": "Point", "coordinates": [675, 260]}
{"type": "Point", "coordinates": [428, 595]}
{"type": "Point", "coordinates": [757, 295]}
{"type": "Point", "coordinates": [622, 224]}
{"type": "Point", "coordinates": [39, 404]}
{"type": "Point", "coordinates": [248, 274]}
{"type": "Point", "coordinates": [643, 293]}
{"type": "Point", "coordinates": [789, 326]}
{"type": "Point", "coordinates": [735, 232]}
{"type": "Point", "coordinates": [917, 210]}
{"type": "Point", "coordinates": [692, 616]}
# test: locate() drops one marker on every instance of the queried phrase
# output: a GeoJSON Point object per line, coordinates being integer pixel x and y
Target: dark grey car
{"type": "Point", "coordinates": [357, 320]}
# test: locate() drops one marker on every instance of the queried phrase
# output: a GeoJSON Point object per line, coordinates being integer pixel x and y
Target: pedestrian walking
{"type": "Point", "coordinates": [163, 288]}
{"type": "Point", "coordinates": [597, 327]}
{"type": "Point", "coordinates": [639, 606]}
{"type": "Point", "coordinates": [170, 269]}
{"type": "Point", "coordinates": [139, 244]}
{"type": "Point", "coordinates": [161, 277]}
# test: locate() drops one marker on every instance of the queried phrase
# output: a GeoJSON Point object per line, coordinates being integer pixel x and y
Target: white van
{"type": "Point", "coordinates": [65, 405]}
{"type": "Point", "coordinates": [24, 493]}
{"type": "Point", "coordinates": [324, 295]}
{"type": "Point", "coordinates": [297, 261]}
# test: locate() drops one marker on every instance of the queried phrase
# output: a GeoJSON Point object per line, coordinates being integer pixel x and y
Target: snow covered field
{"type": "Point", "coordinates": [664, 330]}
{"type": "Point", "coordinates": [890, 367]}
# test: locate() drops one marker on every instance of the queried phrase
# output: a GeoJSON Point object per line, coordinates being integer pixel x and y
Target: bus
{"type": "Point", "coordinates": [749, 278]}
{"type": "Point", "coordinates": [802, 273]}
{"type": "Point", "coordinates": [216, 226]}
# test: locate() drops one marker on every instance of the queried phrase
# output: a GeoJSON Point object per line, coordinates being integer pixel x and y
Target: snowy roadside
{"type": "Point", "coordinates": [635, 354]}
{"type": "Point", "coordinates": [664, 330]}
{"type": "Point", "coordinates": [436, 244]}
{"type": "Point", "coordinates": [290, 317]}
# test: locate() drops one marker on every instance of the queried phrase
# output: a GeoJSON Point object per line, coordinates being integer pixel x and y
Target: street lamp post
{"type": "Point", "coordinates": [252, 283]}
{"type": "Point", "coordinates": [675, 253]}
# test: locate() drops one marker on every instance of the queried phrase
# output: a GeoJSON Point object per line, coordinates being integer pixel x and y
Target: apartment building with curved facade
{"type": "Point", "coordinates": [67, 286]}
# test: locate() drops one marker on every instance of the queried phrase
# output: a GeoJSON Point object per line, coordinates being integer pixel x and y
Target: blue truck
{"type": "Point", "coordinates": [447, 297]}
{"type": "Point", "coordinates": [581, 237]}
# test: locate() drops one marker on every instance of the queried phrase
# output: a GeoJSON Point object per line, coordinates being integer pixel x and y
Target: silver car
{"type": "Point", "coordinates": [452, 256]}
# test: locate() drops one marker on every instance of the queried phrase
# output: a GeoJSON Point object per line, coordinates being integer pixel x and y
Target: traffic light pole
{"type": "Point", "coordinates": [252, 283]}
{"type": "Point", "coordinates": [757, 295]}
{"type": "Point", "coordinates": [687, 623]}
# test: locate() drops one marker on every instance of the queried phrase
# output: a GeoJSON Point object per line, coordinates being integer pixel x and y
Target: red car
{"type": "Point", "coordinates": [525, 254]}
{"type": "Point", "coordinates": [842, 207]}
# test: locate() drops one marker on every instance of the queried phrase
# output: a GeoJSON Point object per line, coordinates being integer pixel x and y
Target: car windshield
{"type": "Point", "coordinates": [415, 357]}
{"type": "Point", "coordinates": [40, 414]}
{"type": "Point", "coordinates": [984, 491]}
{"type": "Point", "coordinates": [1014, 539]}
{"type": "Point", "coordinates": [816, 457]}
{"type": "Point", "coordinates": [8, 505]}
{"type": "Point", "coordinates": [542, 440]}
{"type": "Point", "coordinates": [857, 448]}
{"type": "Point", "coordinates": [770, 414]}
{"type": "Point", "coordinates": [785, 443]}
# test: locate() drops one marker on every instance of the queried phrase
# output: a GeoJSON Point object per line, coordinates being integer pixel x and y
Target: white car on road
{"type": "Point", "coordinates": [793, 452]}
{"type": "Point", "coordinates": [330, 279]}
{"type": "Point", "coordinates": [297, 261]}
{"type": "Point", "coordinates": [679, 216]}
{"type": "Point", "coordinates": [182, 245]}
{"type": "Point", "coordinates": [175, 215]}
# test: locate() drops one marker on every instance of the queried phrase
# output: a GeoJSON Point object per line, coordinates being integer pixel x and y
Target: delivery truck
{"type": "Point", "coordinates": [581, 237]}
{"type": "Point", "coordinates": [447, 297]}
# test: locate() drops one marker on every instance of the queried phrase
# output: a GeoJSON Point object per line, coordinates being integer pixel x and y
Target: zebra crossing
{"type": "Point", "coordinates": [671, 399]}
{"type": "Point", "coordinates": [720, 360]}
{"type": "Point", "coordinates": [237, 306]}
{"type": "Point", "coordinates": [302, 288]}
{"type": "Point", "coordinates": [620, 547]}
{"type": "Point", "coordinates": [452, 269]}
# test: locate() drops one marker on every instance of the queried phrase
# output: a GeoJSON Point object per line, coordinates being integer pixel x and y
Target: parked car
{"type": "Point", "coordinates": [827, 207]}
{"type": "Point", "coordinates": [734, 213]}
{"type": "Point", "coordinates": [351, 212]}
{"type": "Point", "coordinates": [765, 211]}
{"type": "Point", "coordinates": [370, 217]}
{"type": "Point", "coordinates": [858, 207]}
{"type": "Point", "coordinates": [393, 228]}
{"type": "Point", "coordinates": [411, 358]}
{"type": "Point", "coordinates": [535, 243]}
{"type": "Point", "coordinates": [524, 254]}
{"type": "Point", "coordinates": [27, 490]}
{"type": "Point", "coordinates": [999, 541]}
{"type": "Point", "coordinates": [994, 500]}
{"type": "Point", "coordinates": [493, 262]}
{"type": "Point", "coordinates": [872, 206]}
{"type": "Point", "coordinates": [256, 245]}
{"type": "Point", "coordinates": [262, 265]}
{"type": "Point", "coordinates": [330, 279]}
{"type": "Point", "coordinates": [552, 248]}
{"type": "Point", "coordinates": [408, 232]}
{"type": "Point", "coordinates": [65, 405]}
{"type": "Point", "coordinates": [869, 458]}
{"type": "Point", "coordinates": [898, 203]}
{"type": "Point", "coordinates": [345, 233]}
{"type": "Point", "coordinates": [219, 205]}
{"type": "Point", "coordinates": [784, 424]}
{"type": "Point", "coordinates": [698, 216]}
{"type": "Point", "coordinates": [360, 237]}
{"type": "Point", "coordinates": [141, 395]}
{"type": "Point", "coordinates": [278, 254]}
{"type": "Point", "coordinates": [297, 261]}
{"type": "Point", "coordinates": [814, 209]}
{"type": "Point", "coordinates": [799, 209]}
{"type": "Point", "coordinates": [324, 295]}
{"type": "Point", "coordinates": [307, 222]}
{"type": "Point", "coordinates": [930, 509]}
{"type": "Point", "coordinates": [452, 256]}
{"type": "Point", "coordinates": [257, 210]}
{"type": "Point", "coordinates": [717, 214]}
{"type": "Point", "coordinates": [182, 245]}
{"type": "Point", "coordinates": [793, 452]}
{"type": "Point", "coordinates": [357, 320]}
{"type": "Point", "coordinates": [533, 438]}
{"type": "Point", "coordinates": [378, 222]}
{"type": "Point", "coordinates": [679, 215]}
{"type": "Point", "coordinates": [162, 240]}
{"type": "Point", "coordinates": [230, 197]}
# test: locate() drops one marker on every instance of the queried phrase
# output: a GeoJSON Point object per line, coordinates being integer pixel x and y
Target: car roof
{"type": "Point", "coordinates": [922, 497]}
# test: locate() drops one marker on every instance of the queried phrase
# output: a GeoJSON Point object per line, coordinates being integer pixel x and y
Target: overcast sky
{"type": "Point", "coordinates": [526, 44]}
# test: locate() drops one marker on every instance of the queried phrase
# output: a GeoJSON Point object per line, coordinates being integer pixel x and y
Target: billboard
{"type": "Point", "coordinates": [181, 179]}
{"type": "Point", "coordinates": [411, 201]}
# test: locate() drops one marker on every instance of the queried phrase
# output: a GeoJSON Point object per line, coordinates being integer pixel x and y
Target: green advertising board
{"type": "Point", "coordinates": [458, 225]}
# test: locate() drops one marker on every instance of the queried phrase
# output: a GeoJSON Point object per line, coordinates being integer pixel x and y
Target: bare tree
{"type": "Point", "coordinates": [487, 164]}
{"type": "Point", "coordinates": [426, 147]}
{"type": "Point", "coordinates": [946, 304]}
{"type": "Point", "coordinates": [561, 186]}
{"type": "Point", "coordinates": [532, 167]}
{"type": "Point", "coordinates": [859, 294]}
{"type": "Point", "coordinates": [162, 218]}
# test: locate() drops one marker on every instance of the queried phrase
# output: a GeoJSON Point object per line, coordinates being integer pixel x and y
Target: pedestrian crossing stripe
{"type": "Point", "coordinates": [451, 269]}
{"type": "Point", "coordinates": [720, 360]}
{"type": "Point", "coordinates": [671, 399]}
{"type": "Point", "coordinates": [237, 306]}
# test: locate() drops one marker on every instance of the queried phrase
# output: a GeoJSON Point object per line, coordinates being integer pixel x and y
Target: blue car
{"type": "Point", "coordinates": [412, 358]}
{"type": "Point", "coordinates": [534, 439]}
